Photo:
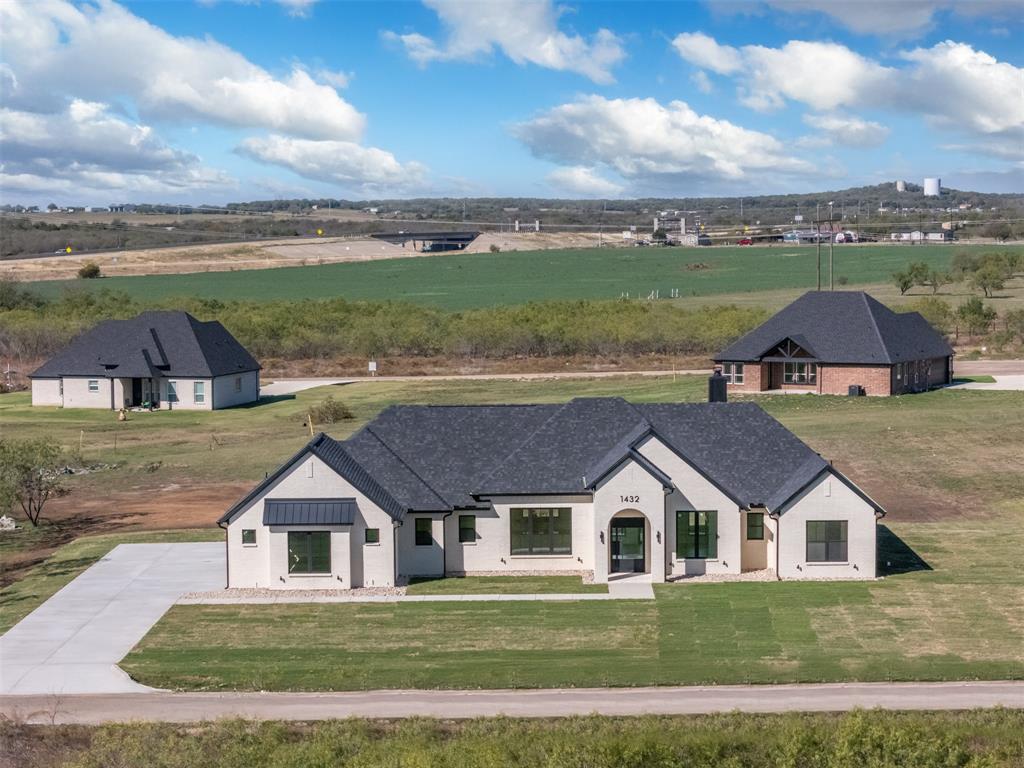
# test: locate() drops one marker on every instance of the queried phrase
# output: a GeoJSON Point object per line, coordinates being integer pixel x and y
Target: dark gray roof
{"type": "Point", "coordinates": [309, 511]}
{"type": "Point", "coordinates": [843, 327]}
{"type": "Point", "coordinates": [152, 344]}
{"type": "Point", "coordinates": [440, 458]}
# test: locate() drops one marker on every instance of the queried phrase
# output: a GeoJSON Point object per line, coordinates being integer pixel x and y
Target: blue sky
{"type": "Point", "coordinates": [224, 100]}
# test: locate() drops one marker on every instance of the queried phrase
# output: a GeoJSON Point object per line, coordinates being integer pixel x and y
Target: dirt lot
{"type": "Point", "coordinates": [230, 257]}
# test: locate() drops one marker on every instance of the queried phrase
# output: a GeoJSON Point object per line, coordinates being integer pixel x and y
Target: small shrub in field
{"type": "Point", "coordinates": [495, 248]}
{"type": "Point", "coordinates": [89, 271]}
{"type": "Point", "coordinates": [842, 280]}
{"type": "Point", "coordinates": [330, 411]}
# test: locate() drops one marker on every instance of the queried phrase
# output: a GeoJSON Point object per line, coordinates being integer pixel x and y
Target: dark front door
{"type": "Point", "coordinates": [628, 545]}
{"type": "Point", "coordinates": [136, 391]}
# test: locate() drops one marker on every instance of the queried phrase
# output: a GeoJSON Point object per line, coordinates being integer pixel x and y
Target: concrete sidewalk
{"type": "Point", "coordinates": [73, 642]}
{"type": "Point", "coordinates": [193, 707]}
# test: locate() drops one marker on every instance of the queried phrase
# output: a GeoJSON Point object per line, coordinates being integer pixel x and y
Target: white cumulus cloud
{"type": "Point", "coordinates": [579, 180]}
{"type": "Point", "coordinates": [952, 85]}
{"type": "Point", "coordinates": [704, 51]}
{"type": "Point", "coordinates": [87, 147]}
{"type": "Point", "coordinates": [647, 142]}
{"type": "Point", "coordinates": [525, 30]}
{"type": "Point", "coordinates": [350, 165]}
{"type": "Point", "coordinates": [103, 51]}
{"type": "Point", "coordinates": [848, 130]}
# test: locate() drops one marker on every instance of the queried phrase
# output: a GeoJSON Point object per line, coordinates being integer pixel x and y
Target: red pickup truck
{"type": "Point", "coordinates": [744, 241]}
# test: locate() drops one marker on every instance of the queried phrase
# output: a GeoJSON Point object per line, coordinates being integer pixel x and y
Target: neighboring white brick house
{"type": "Point", "coordinates": [161, 359]}
{"type": "Point", "coordinates": [595, 486]}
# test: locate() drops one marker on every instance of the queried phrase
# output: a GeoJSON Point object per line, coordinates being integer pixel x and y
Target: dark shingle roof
{"type": "Point", "coordinates": [150, 345]}
{"type": "Point", "coordinates": [439, 458]}
{"type": "Point", "coordinates": [843, 327]}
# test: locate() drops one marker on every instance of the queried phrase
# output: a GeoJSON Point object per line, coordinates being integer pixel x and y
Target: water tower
{"type": "Point", "coordinates": [932, 187]}
{"type": "Point", "coordinates": [901, 186]}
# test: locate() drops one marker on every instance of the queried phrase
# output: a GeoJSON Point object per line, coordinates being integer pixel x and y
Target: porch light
{"type": "Point", "coordinates": [657, 536]}
{"type": "Point", "coordinates": [602, 536]}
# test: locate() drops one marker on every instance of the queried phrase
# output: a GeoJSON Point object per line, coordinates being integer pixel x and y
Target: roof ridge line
{"type": "Point", "coordinates": [874, 324]}
{"type": "Point", "coordinates": [366, 428]}
{"type": "Point", "coordinates": [515, 450]}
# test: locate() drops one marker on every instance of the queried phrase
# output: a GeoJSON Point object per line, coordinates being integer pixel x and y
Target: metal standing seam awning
{"type": "Point", "coordinates": [309, 511]}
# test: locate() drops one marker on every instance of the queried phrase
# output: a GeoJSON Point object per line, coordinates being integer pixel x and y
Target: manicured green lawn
{"type": "Point", "coordinates": [459, 281]}
{"type": "Point", "coordinates": [517, 585]}
{"type": "Point", "coordinates": [963, 619]}
{"type": "Point", "coordinates": [22, 597]}
{"type": "Point", "coordinates": [976, 379]}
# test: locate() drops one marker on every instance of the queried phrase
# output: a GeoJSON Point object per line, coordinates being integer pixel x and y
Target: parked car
{"type": "Point", "coordinates": [745, 241]}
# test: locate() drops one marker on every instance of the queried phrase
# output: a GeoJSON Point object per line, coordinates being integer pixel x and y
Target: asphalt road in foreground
{"type": "Point", "coordinates": [192, 707]}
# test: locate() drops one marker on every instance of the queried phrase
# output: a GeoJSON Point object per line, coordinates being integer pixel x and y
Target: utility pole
{"type": "Point", "coordinates": [831, 248]}
{"type": "Point", "coordinates": [817, 238]}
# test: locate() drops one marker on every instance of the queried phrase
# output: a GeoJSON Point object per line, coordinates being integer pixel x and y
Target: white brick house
{"type": "Point", "coordinates": [159, 359]}
{"type": "Point", "coordinates": [597, 486]}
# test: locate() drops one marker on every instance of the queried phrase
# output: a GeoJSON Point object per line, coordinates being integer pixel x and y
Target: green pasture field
{"type": "Point", "coordinates": [461, 281]}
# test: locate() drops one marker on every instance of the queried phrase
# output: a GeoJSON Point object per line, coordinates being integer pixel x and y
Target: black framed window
{"type": "Point", "coordinates": [755, 526]}
{"type": "Point", "coordinates": [372, 536]}
{"type": "Point", "coordinates": [697, 534]}
{"type": "Point", "coordinates": [800, 373]}
{"type": "Point", "coordinates": [309, 551]}
{"type": "Point", "coordinates": [467, 529]}
{"type": "Point", "coordinates": [541, 531]}
{"type": "Point", "coordinates": [248, 535]}
{"type": "Point", "coordinates": [424, 532]}
{"type": "Point", "coordinates": [826, 541]}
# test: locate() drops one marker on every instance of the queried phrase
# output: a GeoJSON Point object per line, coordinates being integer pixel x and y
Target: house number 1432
{"type": "Point", "coordinates": [630, 499]}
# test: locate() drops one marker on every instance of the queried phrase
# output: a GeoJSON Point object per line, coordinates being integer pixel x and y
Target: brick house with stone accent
{"type": "Point", "coordinates": [826, 342]}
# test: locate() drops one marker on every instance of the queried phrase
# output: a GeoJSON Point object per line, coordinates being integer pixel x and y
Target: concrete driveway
{"type": "Point", "coordinates": [1002, 383]}
{"type": "Point", "coordinates": [72, 643]}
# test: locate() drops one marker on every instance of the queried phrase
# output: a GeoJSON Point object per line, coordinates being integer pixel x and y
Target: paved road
{"type": "Point", "coordinates": [191, 707]}
{"type": "Point", "coordinates": [289, 386]}
{"type": "Point", "coordinates": [989, 367]}
{"type": "Point", "coordinates": [72, 643]}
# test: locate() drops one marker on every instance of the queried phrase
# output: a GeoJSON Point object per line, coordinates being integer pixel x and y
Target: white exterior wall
{"type": "Point", "coordinates": [754, 554]}
{"type": "Point", "coordinates": [414, 560]}
{"type": "Point", "coordinates": [77, 394]}
{"type": "Point", "coordinates": [493, 546]}
{"type": "Point", "coordinates": [353, 563]}
{"type": "Point", "coordinates": [186, 395]}
{"type": "Point", "coordinates": [628, 490]}
{"type": "Point", "coordinates": [46, 392]}
{"type": "Point", "coordinates": [225, 395]}
{"type": "Point", "coordinates": [829, 499]}
{"type": "Point", "coordinates": [694, 492]}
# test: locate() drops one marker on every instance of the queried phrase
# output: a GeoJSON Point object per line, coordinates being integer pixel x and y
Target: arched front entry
{"type": "Point", "coordinates": [629, 547]}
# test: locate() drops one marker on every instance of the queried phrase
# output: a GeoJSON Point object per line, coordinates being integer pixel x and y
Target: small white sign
{"type": "Point", "coordinates": [372, 366]}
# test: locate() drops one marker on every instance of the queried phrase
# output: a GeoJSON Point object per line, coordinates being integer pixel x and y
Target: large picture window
{"type": "Point", "coordinates": [541, 531]}
{"type": "Point", "coordinates": [800, 373]}
{"type": "Point", "coordinates": [826, 541]}
{"type": "Point", "coordinates": [697, 535]}
{"type": "Point", "coordinates": [309, 551]}
{"type": "Point", "coordinates": [733, 372]}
